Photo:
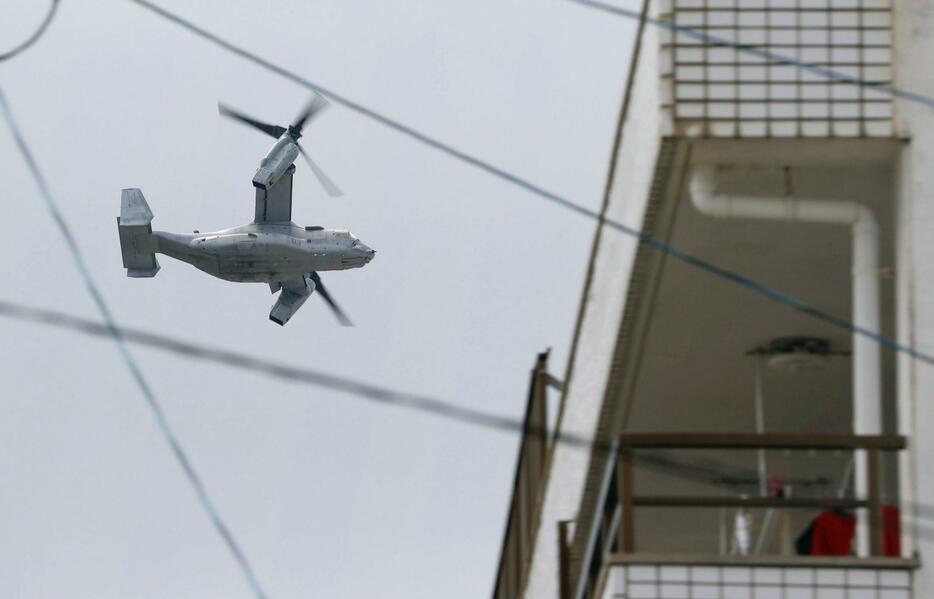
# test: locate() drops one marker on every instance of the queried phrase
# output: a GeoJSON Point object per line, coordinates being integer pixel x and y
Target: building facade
{"type": "Point", "coordinates": [746, 444]}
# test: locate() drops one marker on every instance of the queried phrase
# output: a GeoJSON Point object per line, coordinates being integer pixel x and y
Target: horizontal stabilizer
{"type": "Point", "coordinates": [137, 243]}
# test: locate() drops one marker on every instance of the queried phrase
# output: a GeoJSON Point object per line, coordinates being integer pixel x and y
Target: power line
{"type": "Point", "coordinates": [113, 331]}
{"type": "Point", "coordinates": [35, 36]}
{"type": "Point", "coordinates": [662, 246]}
{"type": "Point", "coordinates": [772, 57]}
{"type": "Point", "coordinates": [293, 374]}
{"type": "Point", "coordinates": [710, 469]}
{"type": "Point", "coordinates": [700, 469]}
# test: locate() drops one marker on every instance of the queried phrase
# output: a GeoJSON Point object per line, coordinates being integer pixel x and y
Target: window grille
{"type": "Point", "coordinates": [716, 90]}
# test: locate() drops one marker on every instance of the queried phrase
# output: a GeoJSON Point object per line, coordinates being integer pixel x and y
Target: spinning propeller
{"type": "Point", "coordinates": [319, 287]}
{"type": "Point", "coordinates": [317, 104]}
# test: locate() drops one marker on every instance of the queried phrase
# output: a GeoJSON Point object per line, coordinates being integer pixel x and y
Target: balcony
{"type": "Point", "coordinates": [705, 357]}
{"type": "Point", "coordinates": [712, 89]}
{"type": "Point", "coordinates": [616, 564]}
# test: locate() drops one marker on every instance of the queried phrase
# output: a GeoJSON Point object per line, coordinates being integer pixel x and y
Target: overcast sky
{"type": "Point", "coordinates": [330, 496]}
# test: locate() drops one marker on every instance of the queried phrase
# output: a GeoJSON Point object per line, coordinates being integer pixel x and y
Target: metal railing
{"type": "Point", "coordinates": [616, 531]}
{"type": "Point", "coordinates": [717, 90]}
{"type": "Point", "coordinates": [873, 445]}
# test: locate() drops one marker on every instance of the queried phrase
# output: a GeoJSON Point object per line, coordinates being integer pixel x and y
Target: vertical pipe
{"type": "Point", "coordinates": [760, 429]}
{"type": "Point", "coordinates": [867, 365]}
{"type": "Point", "coordinates": [724, 546]}
{"type": "Point", "coordinates": [764, 528]}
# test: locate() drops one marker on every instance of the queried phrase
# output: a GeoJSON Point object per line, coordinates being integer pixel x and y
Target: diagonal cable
{"type": "Point", "coordinates": [662, 246]}
{"type": "Point", "coordinates": [699, 468]}
{"type": "Point", "coordinates": [134, 368]}
{"type": "Point", "coordinates": [316, 378]}
{"type": "Point", "coordinates": [32, 39]}
{"type": "Point", "coordinates": [293, 374]}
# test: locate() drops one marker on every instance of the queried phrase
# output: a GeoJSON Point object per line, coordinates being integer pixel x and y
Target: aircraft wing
{"type": "Point", "coordinates": [274, 204]}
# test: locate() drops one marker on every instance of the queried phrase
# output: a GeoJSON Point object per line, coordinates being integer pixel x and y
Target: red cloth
{"type": "Point", "coordinates": [833, 534]}
{"type": "Point", "coordinates": [891, 529]}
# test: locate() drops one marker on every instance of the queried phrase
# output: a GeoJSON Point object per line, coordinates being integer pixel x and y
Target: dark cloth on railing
{"type": "Point", "coordinates": [805, 540]}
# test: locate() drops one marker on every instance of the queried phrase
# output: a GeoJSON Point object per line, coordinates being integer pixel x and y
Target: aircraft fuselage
{"type": "Point", "coordinates": [265, 252]}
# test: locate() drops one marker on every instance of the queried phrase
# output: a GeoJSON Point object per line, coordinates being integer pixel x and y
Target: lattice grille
{"type": "Point", "coordinates": [728, 582]}
{"type": "Point", "coordinates": [721, 91]}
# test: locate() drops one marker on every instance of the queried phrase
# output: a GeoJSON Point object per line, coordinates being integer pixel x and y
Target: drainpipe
{"type": "Point", "coordinates": [867, 365]}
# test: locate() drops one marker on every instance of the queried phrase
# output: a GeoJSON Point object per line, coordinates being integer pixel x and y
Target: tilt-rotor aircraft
{"type": "Point", "coordinates": [272, 249]}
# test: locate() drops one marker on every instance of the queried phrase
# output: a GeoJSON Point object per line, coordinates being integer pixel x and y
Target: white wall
{"type": "Point", "coordinates": [914, 35]}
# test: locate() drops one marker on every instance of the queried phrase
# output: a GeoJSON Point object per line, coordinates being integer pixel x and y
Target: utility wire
{"type": "Point", "coordinates": [35, 36]}
{"type": "Point", "coordinates": [293, 374]}
{"type": "Point", "coordinates": [109, 325]}
{"type": "Point", "coordinates": [707, 471]}
{"type": "Point", "coordinates": [662, 246]}
{"type": "Point", "coordinates": [704, 470]}
{"type": "Point", "coordinates": [698, 469]}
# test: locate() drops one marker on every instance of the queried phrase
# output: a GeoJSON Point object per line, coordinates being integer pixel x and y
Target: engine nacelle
{"type": "Point", "coordinates": [279, 158]}
{"type": "Point", "coordinates": [290, 300]}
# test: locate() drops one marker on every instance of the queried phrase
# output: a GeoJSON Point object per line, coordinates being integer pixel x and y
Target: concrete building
{"type": "Point", "coordinates": [725, 421]}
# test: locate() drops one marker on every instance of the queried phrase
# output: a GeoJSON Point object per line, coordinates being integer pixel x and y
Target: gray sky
{"type": "Point", "coordinates": [329, 496]}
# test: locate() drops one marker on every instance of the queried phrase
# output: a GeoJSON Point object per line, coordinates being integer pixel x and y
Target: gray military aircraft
{"type": "Point", "coordinates": [272, 249]}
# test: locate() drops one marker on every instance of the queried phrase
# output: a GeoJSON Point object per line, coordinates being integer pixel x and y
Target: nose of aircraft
{"type": "Point", "coordinates": [366, 251]}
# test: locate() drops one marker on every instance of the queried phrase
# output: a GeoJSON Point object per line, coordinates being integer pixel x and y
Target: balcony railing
{"type": "Point", "coordinates": [613, 546]}
{"type": "Point", "coordinates": [661, 577]}
{"type": "Point", "coordinates": [762, 72]}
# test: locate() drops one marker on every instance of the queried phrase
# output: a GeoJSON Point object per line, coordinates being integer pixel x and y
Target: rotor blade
{"type": "Point", "coordinates": [317, 104]}
{"type": "Point", "coordinates": [325, 181]}
{"type": "Point", "coordinates": [271, 130]}
{"type": "Point", "coordinates": [319, 287]}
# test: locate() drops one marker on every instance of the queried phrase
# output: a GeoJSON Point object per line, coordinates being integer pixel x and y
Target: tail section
{"type": "Point", "coordinates": [136, 240]}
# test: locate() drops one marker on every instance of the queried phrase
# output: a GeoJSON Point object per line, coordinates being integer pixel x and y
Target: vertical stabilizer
{"type": "Point", "coordinates": [137, 243]}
